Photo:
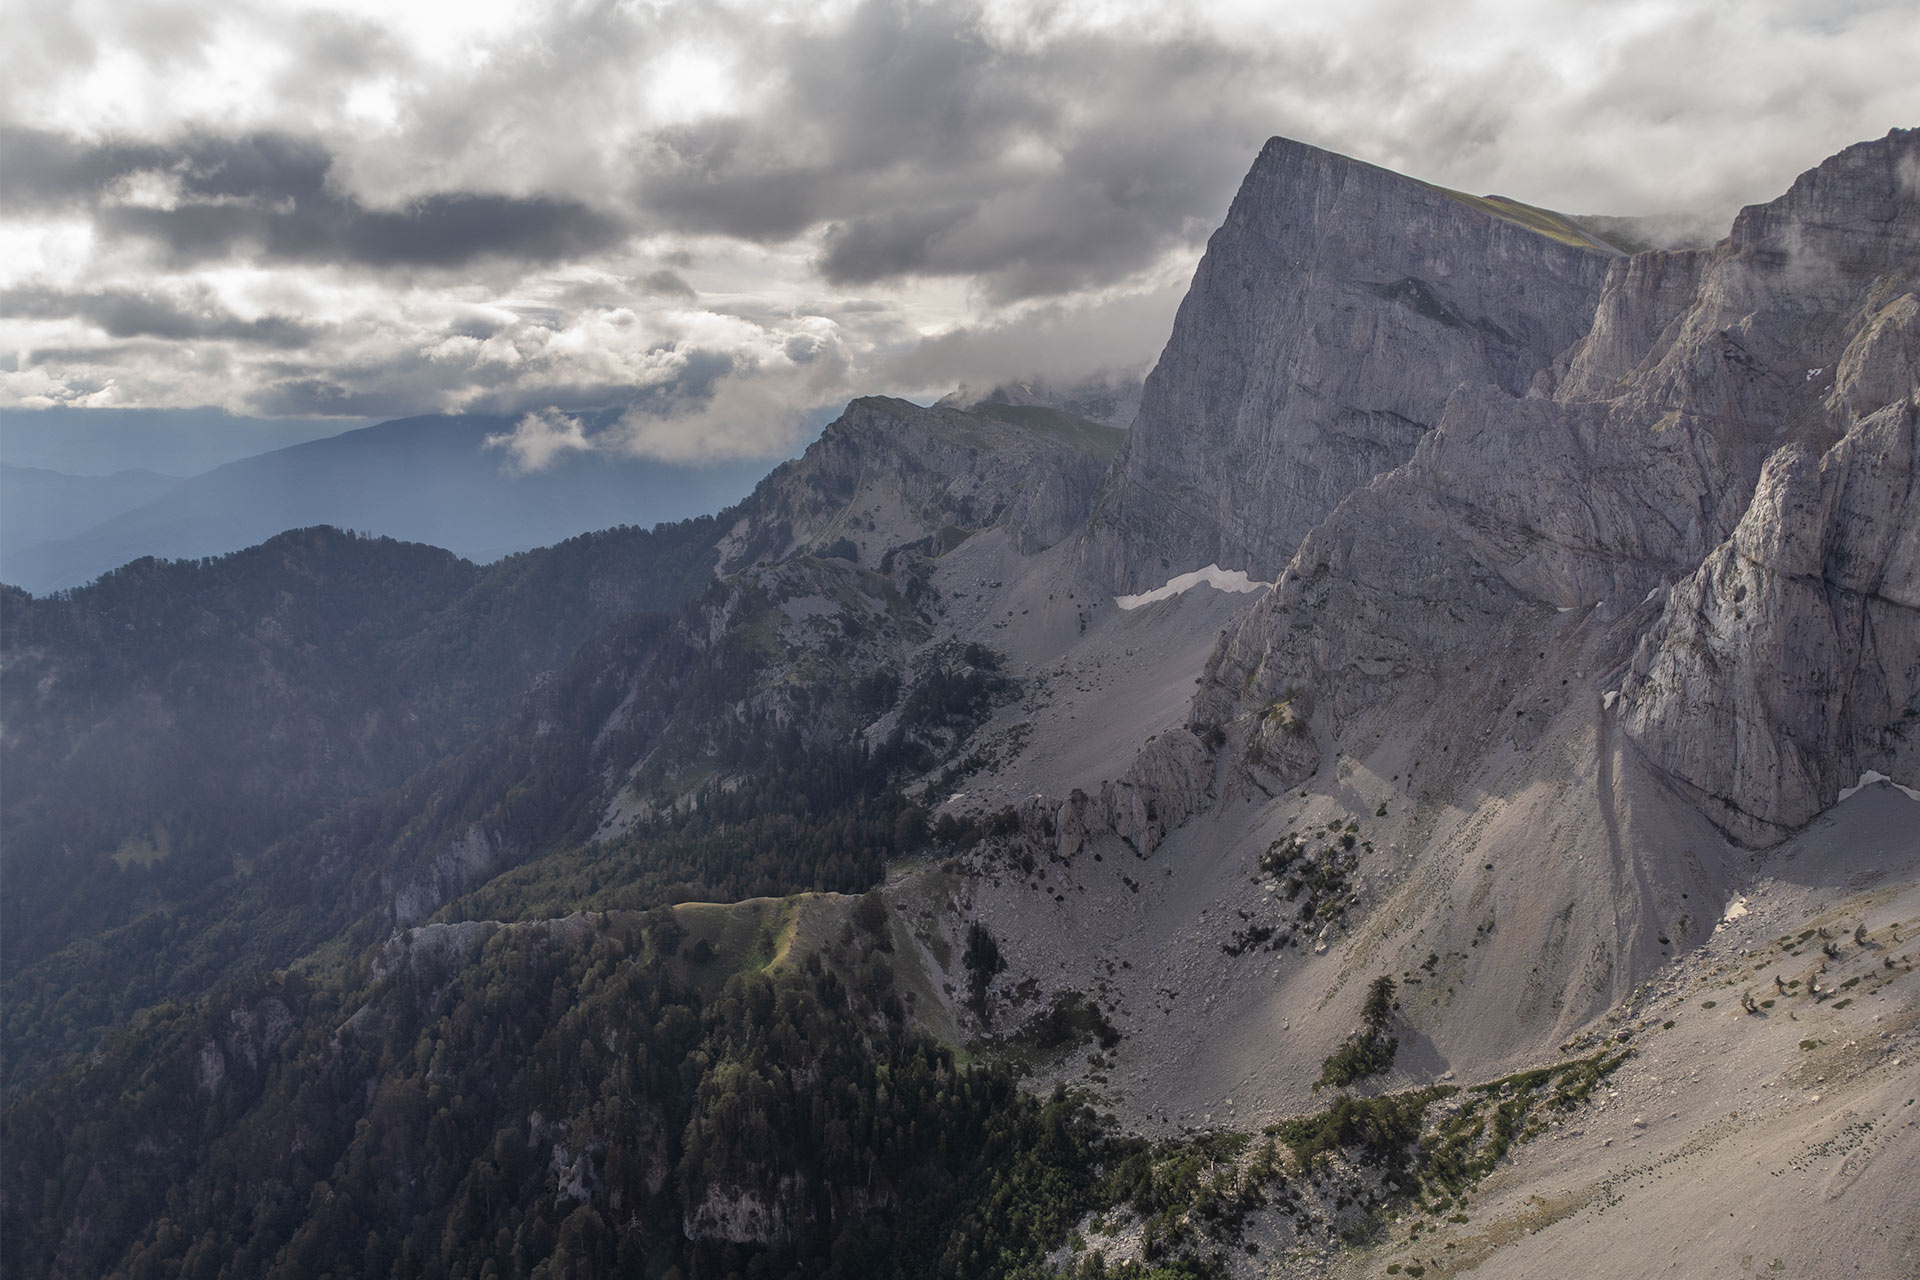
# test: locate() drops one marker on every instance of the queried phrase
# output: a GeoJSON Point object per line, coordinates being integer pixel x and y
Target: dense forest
{"type": "Point", "coordinates": [175, 713]}
{"type": "Point", "coordinates": [597, 1095]}
{"type": "Point", "coordinates": [531, 1100]}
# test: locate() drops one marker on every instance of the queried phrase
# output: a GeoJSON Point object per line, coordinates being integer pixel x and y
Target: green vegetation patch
{"type": "Point", "coordinates": [559, 1098]}
{"type": "Point", "coordinates": [1370, 1050]}
{"type": "Point", "coordinates": [721, 940]}
{"type": "Point", "coordinates": [1383, 1132]}
{"type": "Point", "coordinates": [1470, 1142]}
{"type": "Point", "coordinates": [1069, 1021]}
{"type": "Point", "coordinates": [1542, 222]}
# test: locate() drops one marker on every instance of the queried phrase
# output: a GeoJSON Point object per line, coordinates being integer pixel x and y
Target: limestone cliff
{"type": "Point", "coordinates": [1788, 663]}
{"type": "Point", "coordinates": [1334, 313]}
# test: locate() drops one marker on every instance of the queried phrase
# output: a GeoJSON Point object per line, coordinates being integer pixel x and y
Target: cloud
{"type": "Point", "coordinates": [540, 438]}
{"type": "Point", "coordinates": [768, 402]}
{"type": "Point", "coordinates": [1032, 168]}
{"type": "Point", "coordinates": [270, 197]}
{"type": "Point", "coordinates": [711, 221]}
{"type": "Point", "coordinates": [711, 409]}
{"type": "Point", "coordinates": [50, 171]}
{"type": "Point", "coordinates": [135, 313]}
{"type": "Point", "coordinates": [1908, 174]}
{"type": "Point", "coordinates": [1119, 335]}
{"type": "Point", "coordinates": [666, 283]}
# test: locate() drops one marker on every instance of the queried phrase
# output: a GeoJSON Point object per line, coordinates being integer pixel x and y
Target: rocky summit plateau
{"type": "Point", "coordinates": [1430, 793]}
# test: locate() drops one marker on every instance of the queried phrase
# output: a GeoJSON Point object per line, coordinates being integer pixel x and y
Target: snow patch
{"type": "Point", "coordinates": [1608, 698]}
{"type": "Point", "coordinates": [1212, 576]}
{"type": "Point", "coordinates": [1736, 911]}
{"type": "Point", "coordinates": [1868, 778]}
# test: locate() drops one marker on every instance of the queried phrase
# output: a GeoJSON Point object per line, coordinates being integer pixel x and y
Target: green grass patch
{"type": "Point", "coordinates": [1542, 222]}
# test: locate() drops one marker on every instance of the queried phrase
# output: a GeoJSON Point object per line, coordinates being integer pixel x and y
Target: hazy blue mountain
{"type": "Point", "coordinates": [37, 505]}
{"type": "Point", "coordinates": [423, 479]}
{"type": "Point", "coordinates": [179, 442]}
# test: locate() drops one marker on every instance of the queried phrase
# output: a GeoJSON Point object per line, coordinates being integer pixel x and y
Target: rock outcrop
{"type": "Point", "coordinates": [1788, 663]}
{"type": "Point", "coordinates": [888, 474]}
{"type": "Point", "coordinates": [1169, 781]}
{"type": "Point", "coordinates": [1334, 314]}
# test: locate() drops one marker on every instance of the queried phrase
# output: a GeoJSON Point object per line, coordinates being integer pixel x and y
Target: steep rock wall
{"type": "Point", "coordinates": [1788, 663]}
{"type": "Point", "coordinates": [1334, 313]}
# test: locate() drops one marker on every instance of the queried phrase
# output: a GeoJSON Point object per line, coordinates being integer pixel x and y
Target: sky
{"type": "Point", "coordinates": [726, 218]}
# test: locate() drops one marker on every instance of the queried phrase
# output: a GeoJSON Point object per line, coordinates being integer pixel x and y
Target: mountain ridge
{"type": "Point", "coordinates": [427, 479]}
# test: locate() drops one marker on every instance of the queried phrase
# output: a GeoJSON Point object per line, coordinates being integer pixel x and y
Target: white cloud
{"type": "Point", "coordinates": [540, 438]}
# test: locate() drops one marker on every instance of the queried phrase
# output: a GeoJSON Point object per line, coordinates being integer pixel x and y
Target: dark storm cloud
{"type": "Point", "coordinates": [268, 196]}
{"type": "Point", "coordinates": [131, 313]}
{"type": "Point", "coordinates": [49, 171]}
{"type": "Point", "coordinates": [921, 147]}
{"type": "Point", "coordinates": [889, 243]}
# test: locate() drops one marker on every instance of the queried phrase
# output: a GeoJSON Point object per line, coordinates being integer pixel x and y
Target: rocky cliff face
{"type": "Point", "coordinates": [1333, 315]}
{"type": "Point", "coordinates": [888, 473]}
{"type": "Point", "coordinates": [1788, 663]}
{"type": "Point", "coordinates": [1736, 424]}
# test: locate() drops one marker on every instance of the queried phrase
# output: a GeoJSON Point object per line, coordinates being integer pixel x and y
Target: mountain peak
{"type": "Point", "coordinates": [888, 473]}
{"type": "Point", "coordinates": [1335, 311]}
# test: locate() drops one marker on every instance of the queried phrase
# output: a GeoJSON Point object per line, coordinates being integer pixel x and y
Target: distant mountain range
{"type": "Point", "coordinates": [38, 505]}
{"type": "Point", "coordinates": [426, 479]}
{"type": "Point", "coordinates": [174, 442]}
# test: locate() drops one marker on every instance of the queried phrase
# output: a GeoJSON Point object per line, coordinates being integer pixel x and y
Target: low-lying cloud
{"type": "Point", "coordinates": [539, 439]}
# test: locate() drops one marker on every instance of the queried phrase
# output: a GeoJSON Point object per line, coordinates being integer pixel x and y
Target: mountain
{"type": "Point", "coordinates": [1432, 796]}
{"type": "Point", "coordinates": [1716, 478]}
{"type": "Point", "coordinates": [170, 720]}
{"type": "Point", "coordinates": [175, 720]}
{"type": "Point", "coordinates": [430, 480]}
{"type": "Point", "coordinates": [37, 505]}
{"type": "Point", "coordinates": [179, 442]}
